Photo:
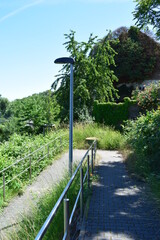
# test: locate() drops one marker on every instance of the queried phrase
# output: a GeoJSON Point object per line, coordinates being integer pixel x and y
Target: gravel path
{"type": "Point", "coordinates": [24, 204]}
{"type": "Point", "coordinates": [120, 208]}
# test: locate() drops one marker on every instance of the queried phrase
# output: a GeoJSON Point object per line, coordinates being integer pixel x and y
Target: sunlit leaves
{"type": "Point", "coordinates": [93, 78]}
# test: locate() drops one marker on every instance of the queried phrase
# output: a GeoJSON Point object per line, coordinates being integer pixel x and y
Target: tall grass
{"type": "Point", "coordinates": [30, 226]}
{"type": "Point", "coordinates": [108, 138]}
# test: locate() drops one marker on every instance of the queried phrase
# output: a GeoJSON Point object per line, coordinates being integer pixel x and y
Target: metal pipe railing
{"type": "Point", "coordinates": [67, 219]}
{"type": "Point", "coordinates": [44, 151]}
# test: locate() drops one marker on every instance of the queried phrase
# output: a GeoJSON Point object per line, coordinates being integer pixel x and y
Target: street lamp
{"type": "Point", "coordinates": [66, 60]}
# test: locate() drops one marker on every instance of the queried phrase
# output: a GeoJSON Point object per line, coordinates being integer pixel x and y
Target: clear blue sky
{"type": "Point", "coordinates": [32, 37]}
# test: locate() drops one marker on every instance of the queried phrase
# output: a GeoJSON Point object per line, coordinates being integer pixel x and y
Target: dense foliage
{"type": "Point", "coordinates": [3, 105]}
{"type": "Point", "coordinates": [138, 55]}
{"type": "Point", "coordinates": [143, 135]}
{"type": "Point", "coordinates": [93, 78]}
{"type": "Point", "coordinates": [147, 13]}
{"type": "Point", "coordinates": [20, 146]}
{"type": "Point", "coordinates": [148, 98]}
{"type": "Point", "coordinates": [28, 115]}
{"type": "Point", "coordinates": [112, 113]}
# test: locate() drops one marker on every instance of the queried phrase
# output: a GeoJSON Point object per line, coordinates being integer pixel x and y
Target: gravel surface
{"type": "Point", "coordinates": [20, 205]}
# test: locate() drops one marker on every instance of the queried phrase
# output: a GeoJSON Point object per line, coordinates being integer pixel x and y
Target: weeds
{"type": "Point", "coordinates": [30, 226]}
{"type": "Point", "coordinates": [108, 138]}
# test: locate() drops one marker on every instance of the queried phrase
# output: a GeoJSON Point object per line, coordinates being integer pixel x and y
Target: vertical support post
{"type": "Point", "coordinates": [94, 152]}
{"type": "Point", "coordinates": [92, 160]}
{"type": "Point", "coordinates": [61, 144]}
{"type": "Point", "coordinates": [66, 218]}
{"type": "Point", "coordinates": [71, 121]}
{"type": "Point", "coordinates": [48, 151]}
{"type": "Point", "coordinates": [88, 171]}
{"type": "Point", "coordinates": [55, 146]}
{"type": "Point", "coordinates": [95, 148]}
{"type": "Point", "coordinates": [81, 195]}
{"type": "Point", "coordinates": [43, 151]}
{"type": "Point", "coordinates": [4, 193]}
{"type": "Point", "coordinates": [30, 168]}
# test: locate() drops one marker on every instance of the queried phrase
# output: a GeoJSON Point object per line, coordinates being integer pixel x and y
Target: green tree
{"type": "Point", "coordinates": [147, 12]}
{"type": "Point", "coordinates": [93, 78]}
{"type": "Point", "coordinates": [31, 113]}
{"type": "Point", "coordinates": [138, 55]}
{"type": "Point", "coordinates": [4, 102]}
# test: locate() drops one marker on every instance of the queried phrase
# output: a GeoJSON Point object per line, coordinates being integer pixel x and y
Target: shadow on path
{"type": "Point", "coordinates": [120, 207]}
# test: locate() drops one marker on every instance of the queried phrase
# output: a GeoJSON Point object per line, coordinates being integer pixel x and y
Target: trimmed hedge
{"type": "Point", "coordinates": [112, 113]}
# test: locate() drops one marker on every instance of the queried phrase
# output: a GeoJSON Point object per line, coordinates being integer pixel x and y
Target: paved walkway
{"type": "Point", "coordinates": [120, 208]}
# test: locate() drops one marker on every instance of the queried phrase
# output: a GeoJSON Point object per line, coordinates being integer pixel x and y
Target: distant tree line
{"type": "Point", "coordinates": [28, 115]}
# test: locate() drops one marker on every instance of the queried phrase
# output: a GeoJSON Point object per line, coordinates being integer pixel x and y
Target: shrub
{"type": "Point", "coordinates": [112, 113]}
{"type": "Point", "coordinates": [143, 135]}
{"type": "Point", "coordinates": [147, 99]}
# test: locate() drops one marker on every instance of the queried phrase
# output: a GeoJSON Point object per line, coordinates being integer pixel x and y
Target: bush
{"type": "Point", "coordinates": [147, 99]}
{"type": "Point", "coordinates": [143, 135]}
{"type": "Point", "coordinates": [112, 113]}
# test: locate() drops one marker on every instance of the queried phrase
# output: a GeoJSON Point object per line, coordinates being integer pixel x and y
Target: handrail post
{"type": "Point", "coordinates": [55, 146]}
{"type": "Point", "coordinates": [66, 218]}
{"type": "Point", "coordinates": [81, 195]}
{"type": "Point", "coordinates": [88, 171]}
{"type": "Point", "coordinates": [94, 152]}
{"type": "Point", "coordinates": [95, 148]}
{"type": "Point", "coordinates": [48, 151]}
{"type": "Point", "coordinates": [4, 194]}
{"type": "Point", "coordinates": [92, 160]}
{"type": "Point", "coordinates": [43, 151]}
{"type": "Point", "coordinates": [61, 144]}
{"type": "Point", "coordinates": [30, 168]}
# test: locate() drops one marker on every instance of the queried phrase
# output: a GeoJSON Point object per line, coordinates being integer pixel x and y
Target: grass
{"type": "Point", "coordinates": [31, 225]}
{"type": "Point", "coordinates": [108, 138]}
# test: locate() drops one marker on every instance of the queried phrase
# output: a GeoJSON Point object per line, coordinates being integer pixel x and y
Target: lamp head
{"type": "Point", "coordinates": [64, 60]}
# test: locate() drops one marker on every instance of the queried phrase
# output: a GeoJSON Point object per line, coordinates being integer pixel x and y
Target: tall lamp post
{"type": "Point", "coordinates": [66, 60]}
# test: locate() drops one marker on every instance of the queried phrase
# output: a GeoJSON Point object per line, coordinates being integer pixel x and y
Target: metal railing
{"type": "Point", "coordinates": [63, 198]}
{"type": "Point", "coordinates": [28, 163]}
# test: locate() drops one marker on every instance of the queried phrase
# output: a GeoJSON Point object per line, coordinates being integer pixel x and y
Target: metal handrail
{"type": "Point", "coordinates": [27, 157]}
{"type": "Point", "coordinates": [52, 214]}
{"type": "Point", "coordinates": [30, 154]}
